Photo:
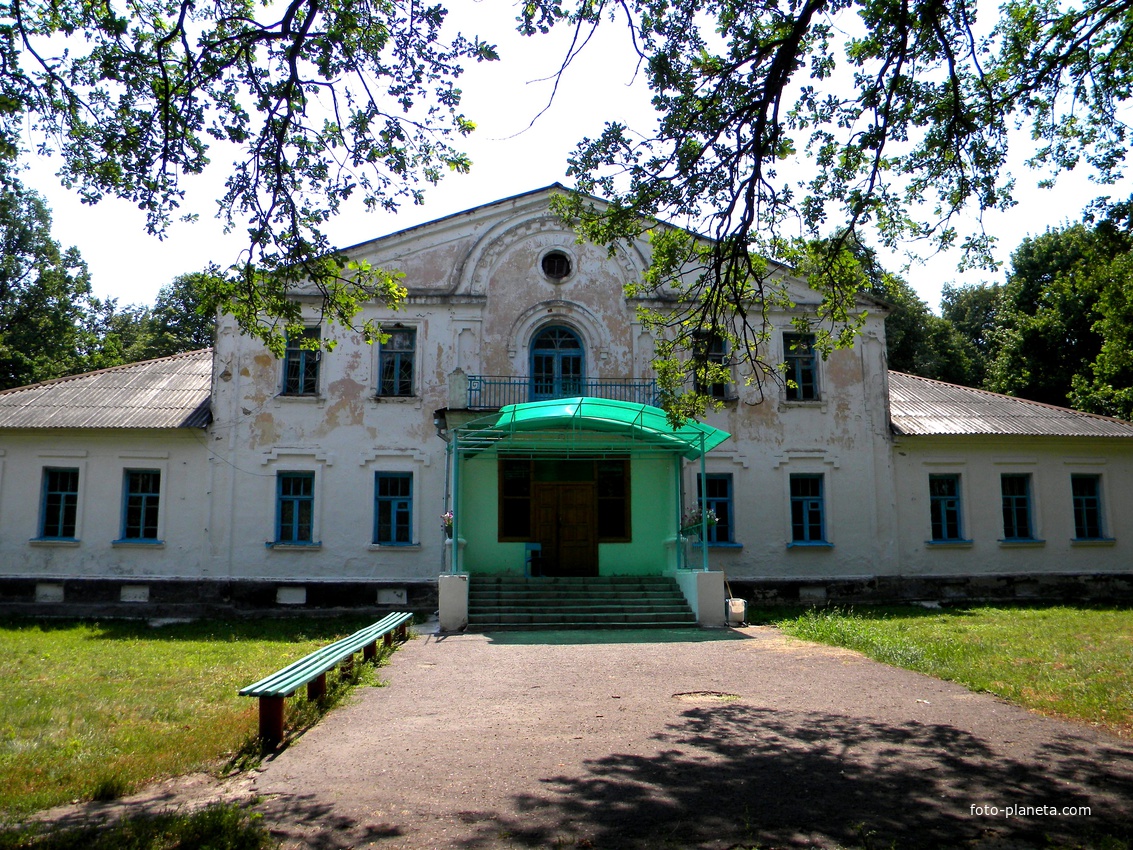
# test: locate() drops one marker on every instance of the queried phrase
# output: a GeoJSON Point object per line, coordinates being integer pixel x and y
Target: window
{"type": "Point", "coordinates": [60, 504]}
{"type": "Point", "coordinates": [140, 502]}
{"type": "Point", "coordinates": [556, 265]}
{"type": "Point", "coordinates": [711, 349]}
{"type": "Point", "coordinates": [807, 522]}
{"type": "Point", "coordinates": [802, 367]}
{"type": "Point", "coordinates": [393, 508]}
{"type": "Point", "coordinates": [301, 365]}
{"type": "Point", "coordinates": [557, 368]}
{"type": "Point", "coordinates": [718, 495]}
{"type": "Point", "coordinates": [1016, 491]}
{"type": "Point", "coordinates": [515, 499]}
{"type": "Point", "coordinates": [1087, 495]}
{"type": "Point", "coordinates": [395, 362]}
{"type": "Point", "coordinates": [295, 507]}
{"type": "Point", "coordinates": [944, 507]}
{"type": "Point", "coordinates": [612, 488]}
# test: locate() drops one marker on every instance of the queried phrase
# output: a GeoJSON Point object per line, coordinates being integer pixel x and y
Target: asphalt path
{"type": "Point", "coordinates": [681, 739]}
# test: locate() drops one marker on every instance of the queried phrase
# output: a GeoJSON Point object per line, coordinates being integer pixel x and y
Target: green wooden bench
{"type": "Point", "coordinates": [311, 670]}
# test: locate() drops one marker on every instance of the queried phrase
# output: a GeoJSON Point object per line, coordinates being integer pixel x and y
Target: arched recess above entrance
{"type": "Point", "coordinates": [592, 333]}
{"type": "Point", "coordinates": [496, 242]}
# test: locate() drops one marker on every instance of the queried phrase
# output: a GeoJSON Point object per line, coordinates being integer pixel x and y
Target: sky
{"type": "Point", "coordinates": [509, 157]}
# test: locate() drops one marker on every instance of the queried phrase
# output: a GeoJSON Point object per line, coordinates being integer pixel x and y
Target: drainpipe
{"type": "Point", "coordinates": [677, 492]}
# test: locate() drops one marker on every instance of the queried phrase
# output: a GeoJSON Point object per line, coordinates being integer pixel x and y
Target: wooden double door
{"type": "Point", "coordinates": [564, 521]}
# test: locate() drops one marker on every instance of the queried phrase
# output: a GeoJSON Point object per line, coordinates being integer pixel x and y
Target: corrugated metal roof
{"type": "Point", "coordinates": [923, 406]}
{"type": "Point", "coordinates": [170, 392]}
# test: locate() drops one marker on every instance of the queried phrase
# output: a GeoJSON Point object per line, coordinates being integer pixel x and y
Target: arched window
{"type": "Point", "coordinates": [557, 364]}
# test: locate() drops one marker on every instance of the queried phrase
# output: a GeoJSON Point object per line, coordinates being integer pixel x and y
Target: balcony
{"type": "Point", "coordinates": [491, 392]}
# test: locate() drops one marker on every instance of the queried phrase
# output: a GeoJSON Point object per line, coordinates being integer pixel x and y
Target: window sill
{"type": "Point", "coordinates": [293, 547]}
{"type": "Point", "coordinates": [1022, 544]}
{"type": "Point", "coordinates": [817, 403]}
{"type": "Point", "coordinates": [300, 398]}
{"type": "Point", "coordinates": [137, 544]}
{"type": "Point", "coordinates": [1091, 542]}
{"type": "Point", "coordinates": [805, 544]}
{"type": "Point", "coordinates": [717, 545]}
{"type": "Point", "coordinates": [948, 544]}
{"type": "Point", "coordinates": [396, 399]}
{"type": "Point", "coordinates": [64, 542]}
{"type": "Point", "coordinates": [394, 547]}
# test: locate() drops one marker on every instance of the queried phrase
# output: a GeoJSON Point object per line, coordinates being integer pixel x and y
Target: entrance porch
{"type": "Point", "coordinates": [576, 487]}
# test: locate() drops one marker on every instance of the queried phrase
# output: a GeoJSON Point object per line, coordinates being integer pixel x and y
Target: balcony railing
{"type": "Point", "coordinates": [491, 392]}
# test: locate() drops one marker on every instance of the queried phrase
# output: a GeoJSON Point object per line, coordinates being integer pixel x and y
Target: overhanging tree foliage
{"type": "Point", "coordinates": [316, 101]}
{"type": "Point", "coordinates": [901, 111]}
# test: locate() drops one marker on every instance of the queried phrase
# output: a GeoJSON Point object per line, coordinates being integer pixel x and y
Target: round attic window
{"type": "Point", "coordinates": [556, 265]}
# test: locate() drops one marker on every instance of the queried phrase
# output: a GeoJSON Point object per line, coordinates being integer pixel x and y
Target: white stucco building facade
{"type": "Point", "coordinates": [231, 477]}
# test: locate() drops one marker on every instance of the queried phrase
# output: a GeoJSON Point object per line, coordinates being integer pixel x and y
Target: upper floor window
{"type": "Point", "coordinates": [710, 351]}
{"type": "Point", "coordinates": [140, 504]}
{"type": "Point", "coordinates": [802, 367]}
{"type": "Point", "coordinates": [944, 507]}
{"type": "Point", "coordinates": [808, 521]}
{"type": "Point", "coordinates": [1087, 495]}
{"type": "Point", "coordinates": [295, 507]}
{"type": "Point", "coordinates": [393, 508]}
{"type": "Point", "coordinates": [1016, 494]}
{"type": "Point", "coordinates": [556, 265]}
{"type": "Point", "coordinates": [301, 364]}
{"type": "Point", "coordinates": [717, 493]}
{"type": "Point", "coordinates": [60, 505]}
{"type": "Point", "coordinates": [557, 364]}
{"type": "Point", "coordinates": [396, 362]}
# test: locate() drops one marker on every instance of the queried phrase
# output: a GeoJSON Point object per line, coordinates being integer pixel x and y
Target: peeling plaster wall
{"type": "Point", "coordinates": [477, 298]}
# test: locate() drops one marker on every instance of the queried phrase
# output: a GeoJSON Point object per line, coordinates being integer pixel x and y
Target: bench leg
{"type": "Point", "coordinates": [370, 651]}
{"type": "Point", "coordinates": [402, 632]}
{"type": "Point", "coordinates": [317, 687]}
{"type": "Point", "coordinates": [346, 668]}
{"type": "Point", "coordinates": [387, 639]}
{"type": "Point", "coordinates": [271, 719]}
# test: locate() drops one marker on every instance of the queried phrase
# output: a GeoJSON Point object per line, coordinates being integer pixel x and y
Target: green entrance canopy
{"type": "Point", "coordinates": [640, 423]}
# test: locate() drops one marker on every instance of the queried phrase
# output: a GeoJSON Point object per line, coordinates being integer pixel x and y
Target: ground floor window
{"type": "Point", "coordinates": [944, 507]}
{"type": "Point", "coordinates": [60, 503]}
{"type": "Point", "coordinates": [808, 522]}
{"type": "Point", "coordinates": [1087, 495]}
{"type": "Point", "coordinates": [717, 492]}
{"type": "Point", "coordinates": [140, 504]}
{"type": "Point", "coordinates": [1016, 494]}
{"type": "Point", "coordinates": [295, 507]}
{"type": "Point", "coordinates": [393, 508]}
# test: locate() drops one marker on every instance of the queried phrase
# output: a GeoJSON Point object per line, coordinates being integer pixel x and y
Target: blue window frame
{"type": "Point", "coordinates": [295, 507]}
{"type": "Point", "coordinates": [717, 493]}
{"type": "Point", "coordinates": [140, 500]}
{"type": "Point", "coordinates": [802, 367]}
{"type": "Point", "coordinates": [711, 349]}
{"type": "Point", "coordinates": [1086, 492]}
{"type": "Point", "coordinates": [393, 508]}
{"type": "Point", "coordinates": [1016, 491]}
{"type": "Point", "coordinates": [395, 362]}
{"type": "Point", "coordinates": [808, 521]}
{"type": "Point", "coordinates": [301, 364]}
{"type": "Point", "coordinates": [944, 507]}
{"type": "Point", "coordinates": [60, 506]}
{"type": "Point", "coordinates": [558, 368]}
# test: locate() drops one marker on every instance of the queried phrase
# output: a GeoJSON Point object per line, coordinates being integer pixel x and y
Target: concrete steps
{"type": "Point", "coordinates": [610, 602]}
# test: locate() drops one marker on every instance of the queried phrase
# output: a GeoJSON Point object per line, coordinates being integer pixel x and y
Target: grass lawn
{"type": "Point", "coordinates": [1074, 662]}
{"type": "Point", "coordinates": [95, 710]}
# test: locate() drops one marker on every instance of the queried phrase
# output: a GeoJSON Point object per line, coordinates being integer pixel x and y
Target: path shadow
{"type": "Point", "coordinates": [564, 637]}
{"type": "Point", "coordinates": [739, 775]}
